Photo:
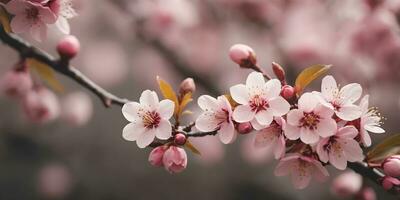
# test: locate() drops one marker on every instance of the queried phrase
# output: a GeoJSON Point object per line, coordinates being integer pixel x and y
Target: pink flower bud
{"type": "Point", "coordinates": [388, 182]}
{"type": "Point", "coordinates": [68, 47]}
{"type": "Point", "coordinates": [77, 108]}
{"type": "Point", "coordinates": [287, 92]}
{"type": "Point", "coordinates": [367, 194]}
{"type": "Point", "coordinates": [243, 55]}
{"type": "Point", "coordinates": [347, 184]}
{"type": "Point", "coordinates": [179, 139]}
{"type": "Point", "coordinates": [278, 71]}
{"type": "Point", "coordinates": [391, 166]}
{"type": "Point", "coordinates": [187, 86]}
{"type": "Point", "coordinates": [41, 105]}
{"type": "Point", "coordinates": [244, 128]}
{"type": "Point", "coordinates": [175, 159]}
{"type": "Point", "coordinates": [16, 83]}
{"type": "Point", "coordinates": [156, 156]}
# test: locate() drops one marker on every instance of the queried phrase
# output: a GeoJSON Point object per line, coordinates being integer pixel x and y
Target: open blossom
{"type": "Point", "coordinates": [175, 159]}
{"type": "Point", "coordinates": [342, 100]}
{"type": "Point", "coordinates": [217, 115]}
{"type": "Point", "coordinates": [273, 138]}
{"type": "Point", "coordinates": [148, 119]}
{"type": "Point", "coordinates": [301, 168]}
{"type": "Point", "coordinates": [347, 184]}
{"type": "Point", "coordinates": [340, 148]}
{"type": "Point", "coordinates": [310, 121]}
{"type": "Point", "coordinates": [260, 101]}
{"type": "Point", "coordinates": [370, 121]}
{"type": "Point", "coordinates": [30, 16]}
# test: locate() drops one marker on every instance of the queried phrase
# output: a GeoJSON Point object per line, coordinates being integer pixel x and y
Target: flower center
{"type": "Point", "coordinates": [32, 13]}
{"type": "Point", "coordinates": [151, 119]}
{"type": "Point", "coordinates": [332, 145]}
{"type": "Point", "coordinates": [222, 116]}
{"type": "Point", "coordinates": [257, 103]}
{"type": "Point", "coordinates": [310, 120]}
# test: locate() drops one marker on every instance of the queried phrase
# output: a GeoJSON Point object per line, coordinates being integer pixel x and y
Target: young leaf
{"type": "Point", "coordinates": [46, 73]}
{"type": "Point", "coordinates": [231, 101]}
{"type": "Point", "coordinates": [168, 93]}
{"type": "Point", "coordinates": [308, 75]}
{"type": "Point", "coordinates": [187, 98]}
{"type": "Point", "coordinates": [191, 147]}
{"type": "Point", "coordinates": [387, 147]}
{"type": "Point", "coordinates": [5, 20]}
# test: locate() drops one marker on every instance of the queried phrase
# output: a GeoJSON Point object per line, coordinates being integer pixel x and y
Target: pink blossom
{"type": "Point", "coordinates": [41, 105]}
{"type": "Point", "coordinates": [240, 54]}
{"type": "Point", "coordinates": [16, 83]}
{"type": "Point", "coordinates": [347, 184]}
{"type": "Point", "coordinates": [370, 121]}
{"type": "Point", "coordinates": [244, 128]}
{"type": "Point", "coordinates": [216, 116]}
{"type": "Point", "coordinates": [260, 101]}
{"type": "Point", "coordinates": [175, 159]}
{"type": "Point", "coordinates": [388, 182]}
{"type": "Point", "coordinates": [310, 121]}
{"type": "Point", "coordinates": [30, 16]}
{"type": "Point", "coordinates": [391, 166]}
{"type": "Point", "coordinates": [340, 148]}
{"type": "Point", "coordinates": [148, 119]}
{"type": "Point", "coordinates": [77, 108]}
{"type": "Point", "coordinates": [342, 100]}
{"type": "Point", "coordinates": [367, 193]}
{"type": "Point", "coordinates": [301, 168]}
{"type": "Point", "coordinates": [54, 181]}
{"type": "Point", "coordinates": [273, 138]}
{"type": "Point", "coordinates": [156, 156]}
{"type": "Point", "coordinates": [68, 47]}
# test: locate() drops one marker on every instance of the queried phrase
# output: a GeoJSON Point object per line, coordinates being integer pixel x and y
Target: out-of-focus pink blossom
{"type": "Point", "coordinates": [156, 156]}
{"type": "Point", "coordinates": [347, 184]}
{"type": "Point", "coordinates": [175, 159]}
{"type": "Point", "coordinates": [54, 181]}
{"type": "Point", "coordinates": [211, 148]}
{"type": "Point", "coordinates": [367, 193]}
{"type": "Point", "coordinates": [30, 16]}
{"type": "Point", "coordinates": [77, 108]}
{"type": "Point", "coordinates": [301, 168]}
{"type": "Point", "coordinates": [391, 166]}
{"type": "Point", "coordinates": [41, 105]}
{"type": "Point", "coordinates": [252, 154]}
{"type": "Point", "coordinates": [273, 138]}
{"type": "Point", "coordinates": [68, 47]}
{"type": "Point", "coordinates": [16, 83]}
{"type": "Point", "coordinates": [388, 182]}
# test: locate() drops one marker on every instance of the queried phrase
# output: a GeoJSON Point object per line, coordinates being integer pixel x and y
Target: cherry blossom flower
{"type": "Point", "coordinates": [272, 137]}
{"type": "Point", "coordinates": [340, 148]}
{"type": "Point", "coordinates": [342, 100]}
{"type": "Point", "coordinates": [40, 105]}
{"type": "Point", "coordinates": [260, 101]}
{"type": "Point", "coordinates": [148, 119]}
{"type": "Point", "coordinates": [216, 116]}
{"type": "Point", "coordinates": [30, 16]}
{"type": "Point", "coordinates": [310, 121]}
{"type": "Point", "coordinates": [175, 159]}
{"type": "Point", "coordinates": [301, 168]}
{"type": "Point", "coordinates": [347, 184]}
{"type": "Point", "coordinates": [370, 121]}
{"type": "Point", "coordinates": [391, 166]}
{"type": "Point", "coordinates": [77, 108]}
{"type": "Point", "coordinates": [16, 83]}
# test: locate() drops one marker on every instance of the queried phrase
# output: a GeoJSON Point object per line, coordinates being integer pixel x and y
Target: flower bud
{"type": "Point", "coordinates": [16, 83]}
{"type": "Point", "coordinates": [347, 184]}
{"type": "Point", "coordinates": [41, 105]}
{"type": "Point", "coordinates": [391, 166]}
{"type": "Point", "coordinates": [77, 108]}
{"type": "Point", "coordinates": [156, 156]}
{"type": "Point", "coordinates": [180, 139]}
{"type": "Point", "coordinates": [244, 128]}
{"type": "Point", "coordinates": [68, 47]}
{"type": "Point", "coordinates": [287, 92]}
{"type": "Point", "coordinates": [54, 181]}
{"type": "Point", "coordinates": [175, 159]}
{"type": "Point", "coordinates": [367, 194]}
{"type": "Point", "coordinates": [243, 55]}
{"type": "Point", "coordinates": [278, 71]}
{"type": "Point", "coordinates": [388, 182]}
{"type": "Point", "coordinates": [187, 86]}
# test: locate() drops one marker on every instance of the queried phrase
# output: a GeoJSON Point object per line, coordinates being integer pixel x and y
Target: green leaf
{"type": "Point", "coordinates": [168, 93]}
{"type": "Point", "coordinates": [308, 75]}
{"type": "Point", "coordinates": [192, 148]}
{"type": "Point", "coordinates": [387, 147]}
{"type": "Point", "coordinates": [46, 73]}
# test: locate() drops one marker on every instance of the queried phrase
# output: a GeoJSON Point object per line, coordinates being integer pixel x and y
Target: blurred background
{"type": "Point", "coordinates": [127, 43]}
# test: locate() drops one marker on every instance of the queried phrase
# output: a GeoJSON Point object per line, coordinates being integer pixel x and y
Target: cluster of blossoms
{"type": "Point", "coordinates": [304, 131]}
{"type": "Point", "coordinates": [34, 16]}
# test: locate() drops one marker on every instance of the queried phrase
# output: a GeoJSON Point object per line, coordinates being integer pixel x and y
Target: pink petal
{"type": "Point", "coordinates": [309, 136]}
{"type": "Point", "coordinates": [328, 87]}
{"type": "Point", "coordinates": [132, 131]}
{"type": "Point", "coordinates": [255, 81]}
{"type": "Point", "coordinates": [166, 108]}
{"type": "Point", "coordinates": [352, 150]}
{"type": "Point", "coordinates": [273, 88]}
{"type": "Point", "coordinates": [326, 127]}
{"type": "Point", "coordinates": [130, 111]}
{"type": "Point", "coordinates": [349, 112]}
{"type": "Point", "coordinates": [207, 103]}
{"type": "Point", "coordinates": [374, 129]}
{"type": "Point", "coordinates": [257, 126]}
{"type": "Point", "coordinates": [365, 138]}
{"type": "Point", "coordinates": [240, 94]}
{"type": "Point", "coordinates": [223, 103]}
{"type": "Point", "coordinates": [324, 111]}
{"type": "Point", "coordinates": [46, 15]}
{"type": "Point", "coordinates": [284, 168]}
{"type": "Point", "coordinates": [243, 113]}
{"type": "Point", "coordinates": [39, 31]}
{"type": "Point", "coordinates": [338, 159]}
{"type": "Point", "coordinates": [279, 106]}
{"type": "Point", "coordinates": [150, 99]}
{"type": "Point", "coordinates": [294, 116]}
{"type": "Point", "coordinates": [307, 102]}
{"type": "Point", "coordinates": [347, 132]}
{"type": "Point", "coordinates": [292, 132]}
{"type": "Point", "coordinates": [227, 133]}
{"type": "Point", "coordinates": [206, 122]}
{"type": "Point", "coordinates": [20, 24]}
{"type": "Point", "coordinates": [17, 6]}
{"type": "Point", "coordinates": [351, 92]}
{"type": "Point", "coordinates": [164, 130]}
{"type": "Point", "coordinates": [266, 137]}
{"type": "Point", "coordinates": [264, 117]}
{"type": "Point", "coordinates": [301, 177]}
{"type": "Point", "coordinates": [364, 103]}
{"type": "Point", "coordinates": [146, 138]}
{"type": "Point", "coordinates": [322, 153]}
{"type": "Point", "coordinates": [279, 150]}
{"type": "Point", "coordinates": [320, 172]}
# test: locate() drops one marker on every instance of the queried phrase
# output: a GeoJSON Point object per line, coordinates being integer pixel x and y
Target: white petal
{"type": "Point", "coordinates": [273, 88]}
{"type": "Point", "coordinates": [294, 117]}
{"type": "Point", "coordinates": [243, 113]}
{"type": "Point", "coordinates": [20, 24]}
{"type": "Point", "coordinates": [255, 81]}
{"type": "Point", "coordinates": [164, 130]}
{"type": "Point", "coordinates": [326, 127]}
{"type": "Point", "coordinates": [351, 92]}
{"type": "Point", "coordinates": [364, 104]}
{"type": "Point", "coordinates": [309, 136]}
{"type": "Point", "coordinates": [349, 112]}
{"type": "Point", "coordinates": [307, 102]}
{"type": "Point", "coordinates": [324, 111]}
{"type": "Point", "coordinates": [223, 103]}
{"type": "Point", "coordinates": [206, 122]}
{"type": "Point", "coordinates": [132, 131]}
{"type": "Point", "coordinates": [266, 137]}
{"type": "Point", "coordinates": [264, 117]}
{"type": "Point", "coordinates": [240, 94]}
{"type": "Point", "coordinates": [63, 25]}
{"type": "Point", "coordinates": [256, 125]}
{"type": "Point", "coordinates": [352, 150]}
{"type": "Point", "coordinates": [374, 129]}
{"type": "Point", "coordinates": [166, 108]}
{"type": "Point", "coordinates": [328, 87]}
{"type": "Point", "coordinates": [365, 138]}
{"type": "Point", "coordinates": [131, 111]}
{"type": "Point", "coordinates": [207, 102]}
{"type": "Point", "coordinates": [146, 138]}
{"type": "Point", "coordinates": [279, 106]}
{"type": "Point", "coordinates": [227, 133]}
{"type": "Point", "coordinates": [149, 98]}
{"type": "Point", "coordinates": [39, 31]}
{"type": "Point", "coordinates": [292, 132]}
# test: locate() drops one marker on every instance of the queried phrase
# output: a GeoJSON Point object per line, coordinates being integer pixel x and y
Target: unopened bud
{"type": "Point", "coordinates": [279, 72]}
{"type": "Point", "coordinates": [391, 166]}
{"type": "Point", "coordinates": [180, 139]}
{"type": "Point", "coordinates": [187, 86]}
{"type": "Point", "coordinates": [367, 194]}
{"type": "Point", "coordinates": [68, 47]}
{"type": "Point", "coordinates": [156, 156]}
{"type": "Point", "coordinates": [388, 182]}
{"type": "Point", "coordinates": [244, 128]}
{"type": "Point", "coordinates": [243, 55]}
{"type": "Point", "coordinates": [287, 92]}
